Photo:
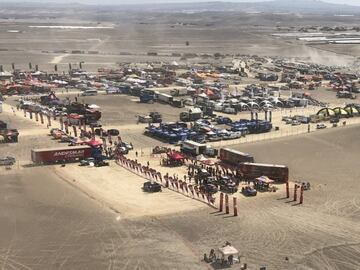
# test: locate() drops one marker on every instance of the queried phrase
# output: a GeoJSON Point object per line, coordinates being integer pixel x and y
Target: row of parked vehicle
{"type": "Point", "coordinates": [205, 130]}
{"type": "Point", "coordinates": [296, 120]}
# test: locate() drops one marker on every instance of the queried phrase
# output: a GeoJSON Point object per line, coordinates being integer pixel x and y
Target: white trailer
{"type": "Point", "coordinates": [165, 98]}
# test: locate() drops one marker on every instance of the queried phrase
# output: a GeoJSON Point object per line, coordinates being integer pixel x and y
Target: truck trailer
{"type": "Point", "coordinates": [60, 154]}
{"type": "Point", "coordinates": [251, 171]}
{"type": "Point", "coordinates": [165, 98]}
{"type": "Point", "coordinates": [194, 149]}
{"type": "Point", "coordinates": [234, 157]}
{"type": "Point", "coordinates": [191, 115]}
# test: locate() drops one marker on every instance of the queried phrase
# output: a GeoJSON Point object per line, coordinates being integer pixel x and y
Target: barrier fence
{"type": "Point", "coordinates": [174, 184]}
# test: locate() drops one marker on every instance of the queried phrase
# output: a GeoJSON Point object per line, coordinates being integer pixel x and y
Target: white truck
{"type": "Point", "coordinates": [165, 98]}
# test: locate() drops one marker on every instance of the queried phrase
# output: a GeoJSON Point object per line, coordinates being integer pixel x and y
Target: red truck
{"type": "Point", "coordinates": [234, 157]}
{"type": "Point", "coordinates": [251, 171]}
{"type": "Point", "coordinates": [61, 154]}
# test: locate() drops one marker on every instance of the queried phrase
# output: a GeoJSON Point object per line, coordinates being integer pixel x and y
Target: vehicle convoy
{"type": "Point", "coordinates": [251, 171]}
{"type": "Point", "coordinates": [61, 154]}
{"type": "Point", "coordinates": [234, 157]}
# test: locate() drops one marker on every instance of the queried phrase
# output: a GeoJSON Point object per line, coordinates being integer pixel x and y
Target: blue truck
{"type": "Point", "coordinates": [147, 96]}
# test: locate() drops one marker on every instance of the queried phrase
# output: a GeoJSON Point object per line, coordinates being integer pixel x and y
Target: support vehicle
{"type": "Point", "coordinates": [61, 154]}
{"type": "Point", "coordinates": [234, 157]}
{"type": "Point", "coordinates": [151, 187]}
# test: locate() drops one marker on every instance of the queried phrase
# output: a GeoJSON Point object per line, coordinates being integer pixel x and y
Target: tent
{"type": "Point", "coordinates": [94, 107]}
{"type": "Point", "coordinates": [174, 159]}
{"type": "Point", "coordinates": [352, 110]}
{"type": "Point", "coordinates": [176, 156]}
{"type": "Point", "coordinates": [341, 112]}
{"type": "Point", "coordinates": [228, 250]}
{"type": "Point", "coordinates": [326, 112]}
{"type": "Point", "coordinates": [201, 158]}
{"type": "Point", "coordinates": [94, 143]}
{"type": "Point", "coordinates": [264, 180]}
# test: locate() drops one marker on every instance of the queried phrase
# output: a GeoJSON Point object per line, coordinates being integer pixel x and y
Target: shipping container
{"type": "Point", "coordinates": [251, 171]}
{"type": "Point", "coordinates": [234, 157]}
{"type": "Point", "coordinates": [61, 154]}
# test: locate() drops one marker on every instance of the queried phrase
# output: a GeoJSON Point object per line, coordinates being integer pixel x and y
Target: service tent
{"type": "Point", "coordinates": [265, 180]}
{"type": "Point", "coordinates": [228, 250]}
{"type": "Point", "coordinates": [201, 158]}
{"type": "Point", "coordinates": [94, 143]}
{"type": "Point", "coordinates": [94, 106]}
{"type": "Point", "coordinates": [175, 156]}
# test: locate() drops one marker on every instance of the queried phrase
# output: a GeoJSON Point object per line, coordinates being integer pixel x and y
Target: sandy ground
{"type": "Point", "coordinates": [138, 34]}
{"type": "Point", "coordinates": [77, 213]}
{"type": "Point", "coordinates": [98, 218]}
{"type": "Point", "coordinates": [69, 227]}
{"type": "Point", "coordinates": [121, 190]}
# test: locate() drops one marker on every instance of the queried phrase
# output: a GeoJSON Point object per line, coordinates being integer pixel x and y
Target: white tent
{"type": "Point", "coordinates": [253, 105]}
{"type": "Point", "coordinates": [228, 250]}
{"type": "Point", "coordinates": [201, 158]}
{"type": "Point", "coordinates": [94, 106]}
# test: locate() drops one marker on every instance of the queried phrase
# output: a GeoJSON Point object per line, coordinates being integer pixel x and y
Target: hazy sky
{"type": "Point", "coordinates": [350, 2]}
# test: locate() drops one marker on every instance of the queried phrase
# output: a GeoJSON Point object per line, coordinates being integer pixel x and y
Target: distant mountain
{"type": "Point", "coordinates": [276, 6]}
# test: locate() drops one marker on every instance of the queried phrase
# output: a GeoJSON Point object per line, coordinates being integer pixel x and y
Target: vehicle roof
{"type": "Point", "coordinates": [236, 152]}
{"type": "Point", "coordinates": [61, 148]}
{"type": "Point", "coordinates": [264, 165]}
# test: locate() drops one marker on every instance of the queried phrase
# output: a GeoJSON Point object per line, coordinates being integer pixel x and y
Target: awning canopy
{"type": "Point", "coordinates": [94, 143]}
{"type": "Point", "coordinates": [228, 250]}
{"type": "Point", "coordinates": [74, 116]}
{"type": "Point", "coordinates": [175, 156]}
{"type": "Point", "coordinates": [265, 180]}
{"type": "Point", "coordinates": [93, 106]}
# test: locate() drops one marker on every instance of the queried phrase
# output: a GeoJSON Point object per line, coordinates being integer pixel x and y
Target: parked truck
{"type": "Point", "coordinates": [61, 154]}
{"type": "Point", "coordinates": [147, 96]}
{"type": "Point", "coordinates": [164, 98]}
{"type": "Point", "coordinates": [179, 103]}
{"type": "Point", "coordinates": [234, 157]}
{"type": "Point", "coordinates": [251, 171]}
{"type": "Point", "coordinates": [179, 92]}
{"type": "Point", "coordinates": [194, 149]}
{"type": "Point", "coordinates": [191, 115]}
